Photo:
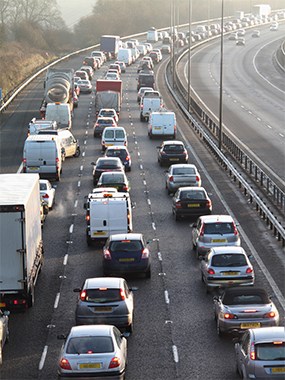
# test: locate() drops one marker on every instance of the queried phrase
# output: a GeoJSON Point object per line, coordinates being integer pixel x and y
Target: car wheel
{"type": "Point", "coordinates": [148, 273]}
{"type": "Point", "coordinates": [202, 278]}
{"type": "Point", "coordinates": [77, 153]}
{"type": "Point", "coordinates": [177, 217]}
{"type": "Point", "coordinates": [208, 290]}
{"type": "Point", "coordinates": [141, 117]}
{"type": "Point", "coordinates": [130, 328]}
{"type": "Point", "coordinates": [89, 240]}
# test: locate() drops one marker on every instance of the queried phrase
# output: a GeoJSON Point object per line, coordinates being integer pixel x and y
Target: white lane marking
{"type": "Point", "coordinates": [76, 203]}
{"type": "Point", "coordinates": [78, 183]}
{"type": "Point", "coordinates": [136, 142]}
{"type": "Point", "coordinates": [166, 296]}
{"type": "Point", "coordinates": [175, 354]}
{"type": "Point", "coordinates": [81, 168]}
{"type": "Point", "coordinates": [144, 182]}
{"type": "Point", "coordinates": [85, 142]}
{"type": "Point", "coordinates": [56, 302]}
{"type": "Point", "coordinates": [43, 358]}
{"type": "Point", "coordinates": [71, 229]}
{"type": "Point", "coordinates": [269, 126]}
{"type": "Point", "coordinates": [87, 123]}
{"type": "Point", "coordinates": [149, 202]}
{"type": "Point", "coordinates": [257, 258]}
{"type": "Point", "coordinates": [65, 259]}
{"type": "Point", "coordinates": [83, 154]}
{"type": "Point", "coordinates": [159, 256]}
{"type": "Point", "coordinates": [153, 225]}
{"type": "Point", "coordinates": [86, 132]}
{"type": "Point", "coordinates": [280, 134]}
{"type": "Point", "coordinates": [141, 166]}
{"type": "Point", "coordinates": [139, 154]}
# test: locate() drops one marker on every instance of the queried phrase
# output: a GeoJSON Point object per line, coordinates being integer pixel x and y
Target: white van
{"type": "Point", "coordinates": [43, 154]}
{"type": "Point", "coordinates": [68, 142]}
{"type": "Point", "coordinates": [162, 124]}
{"type": "Point", "coordinates": [152, 35]}
{"type": "Point", "coordinates": [125, 55]}
{"type": "Point", "coordinates": [107, 213]}
{"type": "Point", "coordinates": [114, 136]}
{"type": "Point", "coordinates": [148, 105]}
{"type": "Point", "coordinates": [59, 112]}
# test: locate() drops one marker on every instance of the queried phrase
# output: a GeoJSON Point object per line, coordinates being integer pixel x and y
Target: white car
{"type": "Point", "coordinates": [85, 86]}
{"type": "Point", "coordinates": [110, 75]}
{"type": "Point", "coordinates": [109, 112]}
{"type": "Point", "coordinates": [4, 331]}
{"type": "Point", "coordinates": [47, 192]}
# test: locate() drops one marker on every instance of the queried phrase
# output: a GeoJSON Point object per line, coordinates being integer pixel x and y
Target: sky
{"type": "Point", "coordinates": [73, 10]}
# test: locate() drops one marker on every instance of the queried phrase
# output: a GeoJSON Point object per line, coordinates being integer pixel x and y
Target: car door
{"type": "Point", "coordinates": [242, 352]}
{"type": "Point", "coordinates": [196, 231]}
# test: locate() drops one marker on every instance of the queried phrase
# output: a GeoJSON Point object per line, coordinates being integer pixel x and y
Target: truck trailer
{"type": "Point", "coordinates": [108, 95]}
{"type": "Point", "coordinates": [110, 44]}
{"type": "Point", "coordinates": [21, 253]}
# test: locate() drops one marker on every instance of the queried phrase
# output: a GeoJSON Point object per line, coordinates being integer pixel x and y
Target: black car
{"type": "Point", "coordinates": [123, 154]}
{"type": "Point", "coordinates": [104, 164]}
{"type": "Point", "coordinates": [101, 123]}
{"type": "Point", "coordinates": [191, 201]}
{"type": "Point", "coordinates": [172, 152]}
{"type": "Point", "coordinates": [116, 180]}
{"type": "Point", "coordinates": [126, 253]}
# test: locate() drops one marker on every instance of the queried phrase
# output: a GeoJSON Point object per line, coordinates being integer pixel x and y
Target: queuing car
{"type": "Point", "coordinates": [144, 65]}
{"type": "Point", "coordinates": [115, 66]}
{"type": "Point", "coordinates": [191, 201]}
{"type": "Point", "coordinates": [274, 26]}
{"type": "Point", "coordinates": [214, 231]}
{"type": "Point", "coordinates": [85, 86]}
{"type": "Point", "coordinates": [47, 192]}
{"type": "Point", "coordinates": [241, 32]}
{"type": "Point", "coordinates": [171, 151]}
{"type": "Point", "coordinates": [223, 267]}
{"type": "Point", "coordinates": [109, 112]}
{"type": "Point", "coordinates": [88, 70]}
{"type": "Point", "coordinates": [123, 154]}
{"type": "Point", "coordinates": [260, 353]}
{"type": "Point", "coordinates": [110, 298]}
{"type": "Point", "coordinates": [243, 307]}
{"type": "Point", "coordinates": [240, 41]}
{"type": "Point", "coordinates": [122, 66]}
{"type": "Point", "coordinates": [181, 175]}
{"type": "Point", "coordinates": [104, 164]}
{"type": "Point", "coordinates": [111, 75]}
{"type": "Point", "coordinates": [165, 49]}
{"type": "Point", "coordinates": [158, 51]}
{"type": "Point", "coordinates": [93, 351]}
{"type": "Point", "coordinates": [114, 179]}
{"type": "Point", "coordinates": [101, 123]}
{"type": "Point", "coordinates": [141, 92]}
{"type": "Point", "coordinates": [114, 136]}
{"type": "Point", "coordinates": [154, 56]}
{"type": "Point", "coordinates": [125, 254]}
{"type": "Point", "coordinates": [149, 59]}
{"type": "Point", "coordinates": [255, 33]}
{"type": "Point", "coordinates": [4, 331]}
{"type": "Point", "coordinates": [233, 36]}
{"type": "Point", "coordinates": [44, 209]}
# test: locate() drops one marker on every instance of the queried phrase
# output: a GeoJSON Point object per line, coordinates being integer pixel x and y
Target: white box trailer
{"type": "Point", "coordinates": [107, 214]}
{"type": "Point", "coordinates": [21, 253]}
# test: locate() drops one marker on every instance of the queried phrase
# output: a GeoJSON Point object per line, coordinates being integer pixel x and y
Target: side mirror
{"type": "Point", "coordinates": [93, 163]}
{"type": "Point", "coordinates": [215, 298]}
{"type": "Point", "coordinates": [61, 337]}
{"type": "Point", "coordinates": [194, 225]}
{"type": "Point", "coordinates": [85, 202]}
{"type": "Point", "coordinates": [134, 289]}
{"type": "Point", "coordinates": [77, 290]}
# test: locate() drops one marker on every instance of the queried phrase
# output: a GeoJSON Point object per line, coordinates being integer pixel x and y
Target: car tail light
{"type": "Point", "coordinates": [171, 178]}
{"type": "Point", "coordinates": [209, 204]}
{"type": "Point", "coordinates": [122, 294]}
{"type": "Point", "coordinates": [229, 316]}
{"type": "Point", "coordinates": [83, 295]}
{"type": "Point", "coordinates": [249, 270]}
{"type": "Point", "coordinates": [252, 352]}
{"type": "Point", "coordinates": [87, 217]}
{"type": "Point", "coordinates": [235, 230]}
{"type": "Point", "coordinates": [107, 254]}
{"type": "Point", "coordinates": [127, 158]}
{"type": "Point", "coordinates": [178, 204]}
{"type": "Point", "coordinates": [211, 271]}
{"type": "Point", "coordinates": [197, 178]}
{"type": "Point", "coordinates": [64, 364]}
{"type": "Point", "coordinates": [202, 230]}
{"type": "Point", "coordinates": [57, 161]}
{"type": "Point", "coordinates": [145, 253]}
{"type": "Point", "coordinates": [125, 188]}
{"type": "Point", "coordinates": [115, 362]}
{"type": "Point", "coordinates": [19, 302]}
{"type": "Point", "coordinates": [271, 314]}
{"type": "Point", "coordinates": [46, 196]}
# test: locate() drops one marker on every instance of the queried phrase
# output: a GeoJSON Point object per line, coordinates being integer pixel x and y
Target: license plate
{"type": "Point", "coordinates": [2, 304]}
{"type": "Point", "coordinates": [157, 128]}
{"type": "Point", "coordinates": [109, 144]}
{"type": "Point", "coordinates": [194, 205]}
{"type": "Point", "coordinates": [99, 233]}
{"type": "Point", "coordinates": [103, 309]}
{"type": "Point", "coordinates": [127, 260]}
{"type": "Point", "coordinates": [90, 365]}
{"type": "Point", "coordinates": [230, 273]}
{"type": "Point", "coordinates": [278, 370]}
{"type": "Point", "coordinates": [174, 159]}
{"type": "Point", "coordinates": [219, 240]}
{"type": "Point", "coordinates": [249, 325]}
{"type": "Point", "coordinates": [33, 168]}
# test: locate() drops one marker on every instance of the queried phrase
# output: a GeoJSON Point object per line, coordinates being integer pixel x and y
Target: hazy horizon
{"type": "Point", "coordinates": [72, 11]}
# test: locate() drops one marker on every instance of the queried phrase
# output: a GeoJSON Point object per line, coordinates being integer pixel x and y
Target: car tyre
{"type": "Point", "coordinates": [89, 240]}
{"type": "Point", "coordinates": [177, 217]}
{"type": "Point", "coordinates": [219, 332]}
{"type": "Point", "coordinates": [148, 273]}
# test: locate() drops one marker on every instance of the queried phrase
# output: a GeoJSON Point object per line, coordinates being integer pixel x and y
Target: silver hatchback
{"type": "Point", "coordinates": [106, 300]}
{"type": "Point", "coordinates": [214, 231]}
{"type": "Point", "coordinates": [260, 354]}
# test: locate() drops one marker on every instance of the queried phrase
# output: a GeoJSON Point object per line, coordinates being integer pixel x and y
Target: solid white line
{"type": "Point", "coordinates": [43, 358]}
{"type": "Point", "coordinates": [55, 306]}
{"type": "Point", "coordinates": [166, 296]}
{"type": "Point", "coordinates": [65, 259]}
{"type": "Point", "coordinates": [71, 229]}
{"type": "Point", "coordinates": [175, 354]}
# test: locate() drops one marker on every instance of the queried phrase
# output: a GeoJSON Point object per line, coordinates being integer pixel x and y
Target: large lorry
{"type": "Point", "coordinates": [110, 44]}
{"type": "Point", "coordinates": [59, 88]}
{"type": "Point", "coordinates": [261, 10]}
{"type": "Point", "coordinates": [108, 95]}
{"type": "Point", "coordinates": [239, 15]}
{"type": "Point", "coordinates": [21, 246]}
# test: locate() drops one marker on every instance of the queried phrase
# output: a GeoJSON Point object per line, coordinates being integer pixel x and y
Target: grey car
{"type": "Point", "coordinates": [214, 231]}
{"type": "Point", "coordinates": [180, 175]}
{"type": "Point", "coordinates": [106, 300]}
{"type": "Point", "coordinates": [260, 354]}
{"type": "Point", "coordinates": [95, 351]}
{"type": "Point", "coordinates": [241, 308]}
{"type": "Point", "coordinates": [4, 331]}
{"type": "Point", "coordinates": [225, 267]}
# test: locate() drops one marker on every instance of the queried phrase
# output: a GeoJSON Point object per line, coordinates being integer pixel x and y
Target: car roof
{"type": "Point", "coordinates": [174, 166]}
{"type": "Point", "coordinates": [108, 158]}
{"type": "Point", "coordinates": [216, 218]}
{"type": "Point", "coordinates": [114, 128]}
{"type": "Point", "coordinates": [129, 236]}
{"type": "Point", "coordinates": [230, 293]}
{"type": "Point", "coordinates": [107, 109]}
{"type": "Point", "coordinates": [268, 334]}
{"type": "Point", "coordinates": [114, 174]}
{"type": "Point", "coordinates": [103, 282]}
{"type": "Point", "coordinates": [172, 142]}
{"type": "Point", "coordinates": [90, 330]}
{"type": "Point", "coordinates": [98, 190]}
{"type": "Point", "coordinates": [192, 188]}
{"type": "Point", "coordinates": [228, 249]}
{"type": "Point", "coordinates": [119, 147]}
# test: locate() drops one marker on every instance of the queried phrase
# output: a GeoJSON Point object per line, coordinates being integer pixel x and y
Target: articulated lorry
{"type": "Point", "coordinates": [108, 95]}
{"type": "Point", "coordinates": [59, 88]}
{"type": "Point", "coordinates": [21, 245]}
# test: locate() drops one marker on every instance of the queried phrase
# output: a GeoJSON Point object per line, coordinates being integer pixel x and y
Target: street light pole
{"type": "Point", "coordinates": [189, 54]}
{"type": "Point", "coordinates": [221, 80]}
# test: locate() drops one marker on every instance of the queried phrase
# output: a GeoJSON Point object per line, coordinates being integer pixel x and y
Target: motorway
{"type": "Point", "coordinates": [253, 93]}
{"type": "Point", "coordinates": [174, 334]}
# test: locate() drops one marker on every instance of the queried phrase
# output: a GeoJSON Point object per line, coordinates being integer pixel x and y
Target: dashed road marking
{"type": "Point", "coordinates": [43, 358]}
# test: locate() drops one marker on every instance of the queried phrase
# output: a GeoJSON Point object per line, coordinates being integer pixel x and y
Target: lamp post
{"type": "Point", "coordinates": [189, 54]}
{"type": "Point", "coordinates": [221, 80]}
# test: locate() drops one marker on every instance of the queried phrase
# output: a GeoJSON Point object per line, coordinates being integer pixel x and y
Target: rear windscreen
{"type": "Point", "coordinates": [229, 260]}
{"type": "Point", "coordinates": [103, 295]}
{"type": "Point", "coordinates": [126, 245]}
{"type": "Point", "coordinates": [218, 228]}
{"type": "Point", "coordinates": [89, 345]}
{"type": "Point", "coordinates": [270, 351]}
